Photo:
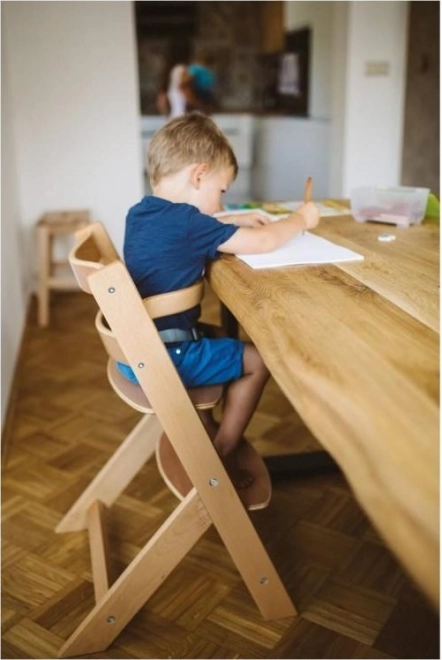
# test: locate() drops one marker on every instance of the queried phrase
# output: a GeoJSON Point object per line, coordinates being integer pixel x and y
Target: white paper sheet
{"type": "Point", "coordinates": [303, 249]}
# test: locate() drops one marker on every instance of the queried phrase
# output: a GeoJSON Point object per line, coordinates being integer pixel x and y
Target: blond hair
{"type": "Point", "coordinates": [191, 138]}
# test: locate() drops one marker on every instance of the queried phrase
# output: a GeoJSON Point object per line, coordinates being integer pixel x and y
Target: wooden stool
{"type": "Point", "coordinates": [55, 223]}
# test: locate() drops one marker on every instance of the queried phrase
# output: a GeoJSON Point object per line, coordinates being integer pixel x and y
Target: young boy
{"type": "Point", "coordinates": [169, 237]}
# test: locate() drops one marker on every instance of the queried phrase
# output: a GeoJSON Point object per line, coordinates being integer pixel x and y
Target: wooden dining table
{"type": "Point", "coordinates": [354, 346]}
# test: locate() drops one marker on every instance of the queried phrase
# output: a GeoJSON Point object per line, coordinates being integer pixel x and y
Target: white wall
{"type": "Point", "coordinates": [74, 93]}
{"type": "Point", "coordinates": [72, 128]}
{"type": "Point", "coordinates": [339, 63]}
{"type": "Point", "coordinates": [14, 296]}
{"type": "Point", "coordinates": [368, 110]}
{"type": "Point", "coordinates": [287, 151]}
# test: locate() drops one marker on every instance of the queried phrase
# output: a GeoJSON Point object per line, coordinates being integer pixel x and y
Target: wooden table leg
{"type": "Point", "coordinates": [306, 464]}
{"type": "Point", "coordinates": [229, 323]}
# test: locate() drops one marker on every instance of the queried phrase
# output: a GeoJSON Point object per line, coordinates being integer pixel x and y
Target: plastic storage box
{"type": "Point", "coordinates": [399, 206]}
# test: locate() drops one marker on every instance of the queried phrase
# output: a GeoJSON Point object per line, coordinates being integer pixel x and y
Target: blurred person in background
{"type": "Point", "coordinates": [188, 87]}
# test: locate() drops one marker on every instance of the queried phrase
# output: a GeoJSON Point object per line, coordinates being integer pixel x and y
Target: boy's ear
{"type": "Point", "coordinates": [197, 173]}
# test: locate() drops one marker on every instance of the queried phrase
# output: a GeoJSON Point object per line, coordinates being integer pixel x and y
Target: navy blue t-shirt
{"type": "Point", "coordinates": [166, 247]}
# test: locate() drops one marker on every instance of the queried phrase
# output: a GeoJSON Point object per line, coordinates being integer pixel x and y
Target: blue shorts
{"type": "Point", "coordinates": [202, 362]}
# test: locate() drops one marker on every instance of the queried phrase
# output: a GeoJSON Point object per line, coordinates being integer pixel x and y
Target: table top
{"type": "Point", "coordinates": [355, 348]}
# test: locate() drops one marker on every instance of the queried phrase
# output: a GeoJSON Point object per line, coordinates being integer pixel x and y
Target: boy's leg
{"type": "Point", "coordinates": [241, 400]}
{"type": "Point", "coordinates": [209, 423]}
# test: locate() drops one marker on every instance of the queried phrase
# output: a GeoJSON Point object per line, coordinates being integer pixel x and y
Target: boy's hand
{"type": "Point", "coordinates": [310, 215]}
{"type": "Point", "coordinates": [252, 219]}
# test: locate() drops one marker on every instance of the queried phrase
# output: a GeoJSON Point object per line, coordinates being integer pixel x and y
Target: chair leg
{"type": "Point", "coordinates": [141, 578]}
{"type": "Point", "coordinates": [115, 476]}
{"type": "Point", "coordinates": [99, 548]}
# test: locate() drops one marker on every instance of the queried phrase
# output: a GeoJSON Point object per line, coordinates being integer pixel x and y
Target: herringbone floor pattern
{"type": "Point", "coordinates": [353, 598]}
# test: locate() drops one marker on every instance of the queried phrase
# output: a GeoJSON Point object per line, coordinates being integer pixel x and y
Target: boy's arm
{"type": "Point", "coordinates": [252, 219]}
{"type": "Point", "coordinates": [268, 237]}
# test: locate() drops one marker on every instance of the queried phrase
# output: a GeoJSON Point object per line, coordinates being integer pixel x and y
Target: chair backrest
{"type": "Point", "coordinates": [92, 251]}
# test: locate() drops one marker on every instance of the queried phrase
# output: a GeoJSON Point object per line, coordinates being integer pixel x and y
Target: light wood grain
{"type": "Point", "coordinates": [99, 548]}
{"type": "Point", "coordinates": [404, 271]}
{"type": "Point", "coordinates": [356, 352]}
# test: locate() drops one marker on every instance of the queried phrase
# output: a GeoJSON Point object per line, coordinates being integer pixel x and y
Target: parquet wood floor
{"type": "Point", "coordinates": [354, 599]}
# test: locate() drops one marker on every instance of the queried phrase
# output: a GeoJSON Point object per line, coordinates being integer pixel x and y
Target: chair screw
{"type": "Point", "coordinates": [110, 619]}
{"type": "Point", "coordinates": [111, 289]}
{"type": "Point", "coordinates": [263, 580]}
{"type": "Point", "coordinates": [213, 481]}
{"type": "Point", "coordinates": [140, 365]}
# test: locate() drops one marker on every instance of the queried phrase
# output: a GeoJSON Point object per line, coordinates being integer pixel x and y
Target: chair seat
{"type": "Point", "coordinates": [256, 496]}
{"type": "Point", "coordinates": [203, 398]}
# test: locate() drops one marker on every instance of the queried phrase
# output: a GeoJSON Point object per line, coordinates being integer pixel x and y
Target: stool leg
{"type": "Point", "coordinates": [43, 276]}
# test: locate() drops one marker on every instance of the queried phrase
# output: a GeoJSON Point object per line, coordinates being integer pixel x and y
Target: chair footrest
{"type": "Point", "coordinates": [256, 496]}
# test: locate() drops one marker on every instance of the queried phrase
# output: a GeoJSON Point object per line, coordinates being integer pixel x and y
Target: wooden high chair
{"type": "Point", "coordinates": [172, 429]}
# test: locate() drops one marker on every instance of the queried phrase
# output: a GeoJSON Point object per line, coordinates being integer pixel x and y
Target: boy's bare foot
{"type": "Point", "coordinates": [240, 478]}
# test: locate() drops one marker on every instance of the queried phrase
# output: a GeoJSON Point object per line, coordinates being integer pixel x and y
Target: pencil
{"type": "Point", "coordinates": [308, 190]}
